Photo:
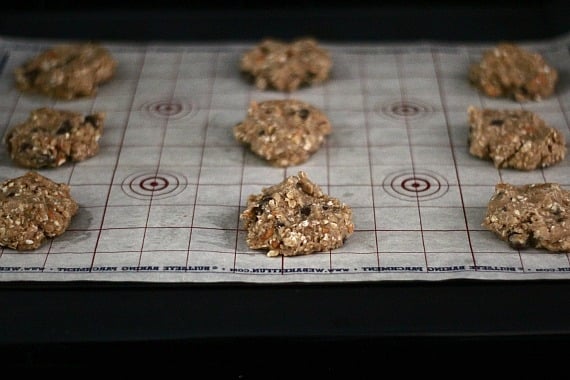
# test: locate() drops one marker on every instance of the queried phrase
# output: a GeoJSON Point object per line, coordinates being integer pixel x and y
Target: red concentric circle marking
{"type": "Point", "coordinates": [409, 186]}
{"type": "Point", "coordinates": [404, 109]}
{"type": "Point", "coordinates": [154, 184]}
{"type": "Point", "coordinates": [169, 109]}
{"type": "Point", "coordinates": [145, 185]}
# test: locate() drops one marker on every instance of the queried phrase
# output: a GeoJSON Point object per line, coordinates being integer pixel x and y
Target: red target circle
{"type": "Point", "coordinates": [414, 185]}
{"type": "Point", "coordinates": [144, 185]}
{"type": "Point", "coordinates": [169, 109]}
{"type": "Point", "coordinates": [404, 109]}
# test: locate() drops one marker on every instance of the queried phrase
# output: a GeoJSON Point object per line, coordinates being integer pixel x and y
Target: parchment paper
{"type": "Point", "coordinates": [161, 200]}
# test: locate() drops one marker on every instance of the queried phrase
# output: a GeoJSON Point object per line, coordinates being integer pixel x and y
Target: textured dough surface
{"type": "Point", "coordinates": [517, 139]}
{"type": "Point", "coordinates": [295, 217]}
{"type": "Point", "coordinates": [33, 208]}
{"type": "Point", "coordinates": [66, 72]}
{"type": "Point", "coordinates": [534, 215]}
{"type": "Point", "coordinates": [275, 64]}
{"type": "Point", "coordinates": [49, 138]}
{"type": "Point", "coordinates": [283, 132]}
{"type": "Point", "coordinates": [508, 70]}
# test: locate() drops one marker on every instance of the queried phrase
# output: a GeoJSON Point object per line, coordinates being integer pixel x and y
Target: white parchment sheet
{"type": "Point", "coordinates": [161, 200]}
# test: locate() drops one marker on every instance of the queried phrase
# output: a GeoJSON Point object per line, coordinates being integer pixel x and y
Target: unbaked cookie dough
{"type": "Point", "coordinates": [67, 72]}
{"type": "Point", "coordinates": [517, 139]}
{"type": "Point", "coordinates": [511, 71]}
{"type": "Point", "coordinates": [283, 132]}
{"type": "Point", "coordinates": [295, 217]}
{"type": "Point", "coordinates": [533, 215]}
{"type": "Point", "coordinates": [274, 64]}
{"type": "Point", "coordinates": [49, 138]}
{"type": "Point", "coordinates": [33, 208]}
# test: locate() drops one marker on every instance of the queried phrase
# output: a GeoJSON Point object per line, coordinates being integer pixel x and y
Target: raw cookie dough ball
{"type": "Point", "coordinates": [516, 139]}
{"type": "Point", "coordinates": [67, 71]}
{"type": "Point", "coordinates": [295, 217]}
{"type": "Point", "coordinates": [49, 138]}
{"type": "Point", "coordinates": [283, 132]}
{"type": "Point", "coordinates": [535, 215]}
{"type": "Point", "coordinates": [511, 71]}
{"type": "Point", "coordinates": [33, 208]}
{"type": "Point", "coordinates": [286, 66]}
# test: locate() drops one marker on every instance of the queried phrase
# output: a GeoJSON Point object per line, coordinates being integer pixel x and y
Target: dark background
{"type": "Point", "coordinates": [283, 331]}
{"type": "Point", "coordinates": [254, 19]}
{"type": "Point", "coordinates": [251, 4]}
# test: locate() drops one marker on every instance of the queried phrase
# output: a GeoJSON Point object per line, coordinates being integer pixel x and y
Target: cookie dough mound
{"type": "Point", "coordinates": [516, 139]}
{"type": "Point", "coordinates": [286, 66]}
{"type": "Point", "coordinates": [67, 71]}
{"type": "Point", "coordinates": [49, 138]}
{"type": "Point", "coordinates": [295, 217]}
{"type": "Point", "coordinates": [283, 132]}
{"type": "Point", "coordinates": [535, 215]}
{"type": "Point", "coordinates": [33, 208]}
{"type": "Point", "coordinates": [511, 71]}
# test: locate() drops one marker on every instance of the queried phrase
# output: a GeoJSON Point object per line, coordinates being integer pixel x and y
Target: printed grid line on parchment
{"type": "Point", "coordinates": [161, 201]}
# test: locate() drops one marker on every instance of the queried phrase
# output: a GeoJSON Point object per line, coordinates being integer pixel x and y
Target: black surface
{"type": "Point", "coordinates": [244, 329]}
{"type": "Point", "coordinates": [239, 330]}
{"type": "Point", "coordinates": [110, 312]}
{"type": "Point", "coordinates": [225, 20]}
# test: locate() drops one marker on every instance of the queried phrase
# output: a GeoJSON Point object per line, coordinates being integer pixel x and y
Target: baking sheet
{"type": "Point", "coordinates": [161, 201]}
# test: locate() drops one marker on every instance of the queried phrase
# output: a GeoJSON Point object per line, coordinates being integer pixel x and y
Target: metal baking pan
{"type": "Point", "coordinates": [42, 321]}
